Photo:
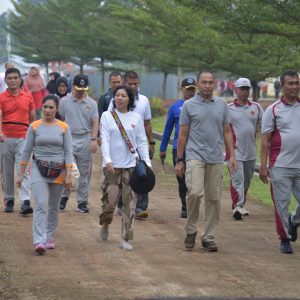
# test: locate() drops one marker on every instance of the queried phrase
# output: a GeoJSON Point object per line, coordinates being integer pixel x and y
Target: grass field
{"type": "Point", "coordinates": [257, 190]}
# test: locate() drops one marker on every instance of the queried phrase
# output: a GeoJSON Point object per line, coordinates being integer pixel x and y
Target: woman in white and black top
{"type": "Point", "coordinates": [118, 162]}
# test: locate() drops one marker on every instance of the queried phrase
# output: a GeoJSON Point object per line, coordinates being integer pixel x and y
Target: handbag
{"type": "Point", "coordinates": [49, 169]}
{"type": "Point", "coordinates": [142, 179]}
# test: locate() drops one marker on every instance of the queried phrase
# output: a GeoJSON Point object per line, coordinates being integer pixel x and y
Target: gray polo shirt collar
{"type": "Point", "coordinates": [205, 100]}
{"type": "Point", "coordinates": [85, 100]}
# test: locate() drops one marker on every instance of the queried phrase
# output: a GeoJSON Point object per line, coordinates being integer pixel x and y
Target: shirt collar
{"type": "Point", "coordinates": [9, 94]}
{"type": "Point", "coordinates": [236, 103]}
{"type": "Point", "coordinates": [85, 99]}
{"type": "Point", "coordinates": [284, 101]}
{"type": "Point", "coordinates": [204, 100]}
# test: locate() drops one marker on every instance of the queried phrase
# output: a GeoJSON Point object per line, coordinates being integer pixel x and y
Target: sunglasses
{"type": "Point", "coordinates": [48, 106]}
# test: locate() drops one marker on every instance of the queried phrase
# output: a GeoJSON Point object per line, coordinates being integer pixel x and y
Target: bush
{"type": "Point", "coordinates": [157, 108]}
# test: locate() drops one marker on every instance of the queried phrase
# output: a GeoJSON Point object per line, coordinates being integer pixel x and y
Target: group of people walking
{"type": "Point", "coordinates": [44, 143]}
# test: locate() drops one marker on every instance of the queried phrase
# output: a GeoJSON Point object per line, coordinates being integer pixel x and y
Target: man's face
{"type": "Point", "coordinates": [206, 85]}
{"type": "Point", "coordinates": [291, 86]}
{"type": "Point", "coordinates": [13, 81]}
{"type": "Point", "coordinates": [188, 93]}
{"type": "Point", "coordinates": [78, 93]}
{"type": "Point", "coordinates": [243, 93]}
{"type": "Point", "coordinates": [115, 81]}
{"type": "Point", "coordinates": [133, 83]}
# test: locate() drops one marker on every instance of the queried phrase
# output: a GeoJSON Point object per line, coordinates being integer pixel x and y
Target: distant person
{"type": "Point", "coordinates": [245, 120]}
{"type": "Point", "coordinates": [51, 86]}
{"type": "Point", "coordinates": [80, 112]}
{"type": "Point", "coordinates": [204, 126]}
{"type": "Point", "coordinates": [17, 111]}
{"type": "Point", "coordinates": [277, 88]}
{"type": "Point", "coordinates": [3, 85]}
{"type": "Point", "coordinates": [70, 82]}
{"type": "Point", "coordinates": [281, 142]}
{"type": "Point", "coordinates": [49, 140]}
{"type": "Point", "coordinates": [115, 79]}
{"type": "Point", "coordinates": [188, 88]}
{"type": "Point", "coordinates": [142, 107]}
{"type": "Point", "coordinates": [36, 86]}
{"type": "Point", "coordinates": [264, 90]}
{"type": "Point", "coordinates": [61, 90]}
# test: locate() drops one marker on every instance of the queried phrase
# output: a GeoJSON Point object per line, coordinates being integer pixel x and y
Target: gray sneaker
{"type": "Point", "coordinates": [189, 241]}
{"type": "Point", "coordinates": [209, 246]}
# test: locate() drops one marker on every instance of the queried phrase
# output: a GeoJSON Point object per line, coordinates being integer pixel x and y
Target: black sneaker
{"type": "Point", "coordinates": [63, 203]}
{"type": "Point", "coordinates": [189, 241]}
{"type": "Point", "coordinates": [209, 246]}
{"type": "Point", "coordinates": [9, 206]}
{"type": "Point", "coordinates": [82, 207]}
{"type": "Point", "coordinates": [183, 214]}
{"type": "Point", "coordinates": [26, 208]}
{"type": "Point", "coordinates": [237, 213]}
{"type": "Point", "coordinates": [293, 229]}
{"type": "Point", "coordinates": [285, 246]}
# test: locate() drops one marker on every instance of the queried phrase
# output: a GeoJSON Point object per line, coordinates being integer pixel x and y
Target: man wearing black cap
{"type": "Point", "coordinates": [188, 87]}
{"type": "Point", "coordinates": [81, 113]}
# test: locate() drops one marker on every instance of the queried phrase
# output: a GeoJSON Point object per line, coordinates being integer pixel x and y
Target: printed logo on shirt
{"type": "Point", "coordinates": [252, 113]}
{"type": "Point", "coordinates": [132, 125]}
{"type": "Point", "coordinates": [87, 108]}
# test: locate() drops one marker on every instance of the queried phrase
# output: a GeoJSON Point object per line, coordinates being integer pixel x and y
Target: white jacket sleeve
{"type": "Point", "coordinates": [141, 142]}
{"type": "Point", "coordinates": [105, 139]}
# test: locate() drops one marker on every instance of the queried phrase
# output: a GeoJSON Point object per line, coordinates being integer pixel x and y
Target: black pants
{"type": "Point", "coordinates": [182, 189]}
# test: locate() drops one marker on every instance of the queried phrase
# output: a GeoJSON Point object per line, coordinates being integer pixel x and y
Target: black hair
{"type": "Point", "coordinates": [290, 73]}
{"type": "Point", "coordinates": [51, 97]}
{"type": "Point", "coordinates": [205, 71]}
{"type": "Point", "coordinates": [12, 70]}
{"type": "Point", "coordinates": [131, 75]}
{"type": "Point", "coordinates": [130, 95]}
{"type": "Point", "coordinates": [114, 74]}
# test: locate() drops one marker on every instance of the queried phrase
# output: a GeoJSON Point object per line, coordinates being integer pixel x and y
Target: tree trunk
{"type": "Point", "coordinates": [81, 66]}
{"type": "Point", "coordinates": [47, 71]}
{"type": "Point", "coordinates": [255, 90]}
{"type": "Point", "coordinates": [102, 75]}
{"type": "Point", "coordinates": [179, 78]}
{"type": "Point", "coordinates": [164, 86]}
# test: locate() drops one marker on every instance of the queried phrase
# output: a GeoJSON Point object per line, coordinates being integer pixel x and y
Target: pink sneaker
{"type": "Point", "coordinates": [40, 248]}
{"type": "Point", "coordinates": [50, 245]}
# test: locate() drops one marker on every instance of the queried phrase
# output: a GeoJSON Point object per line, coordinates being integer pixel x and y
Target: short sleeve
{"type": "Point", "coordinates": [268, 121]}
{"type": "Point", "coordinates": [184, 115]}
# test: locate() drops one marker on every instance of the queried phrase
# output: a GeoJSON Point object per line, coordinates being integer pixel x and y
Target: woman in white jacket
{"type": "Point", "coordinates": [118, 161]}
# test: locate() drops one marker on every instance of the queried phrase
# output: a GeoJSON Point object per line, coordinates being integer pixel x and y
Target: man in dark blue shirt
{"type": "Point", "coordinates": [188, 91]}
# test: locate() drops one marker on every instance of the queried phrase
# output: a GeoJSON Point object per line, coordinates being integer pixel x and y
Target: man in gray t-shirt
{"type": "Point", "coordinates": [80, 112]}
{"type": "Point", "coordinates": [204, 125]}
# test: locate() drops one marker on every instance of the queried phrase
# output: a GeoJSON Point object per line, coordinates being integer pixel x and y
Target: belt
{"type": "Point", "coordinates": [16, 123]}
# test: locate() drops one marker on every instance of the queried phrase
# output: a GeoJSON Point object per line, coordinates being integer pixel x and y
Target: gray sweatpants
{"type": "Point", "coordinates": [240, 182]}
{"type": "Point", "coordinates": [285, 181]}
{"type": "Point", "coordinates": [10, 160]}
{"type": "Point", "coordinates": [45, 215]}
{"type": "Point", "coordinates": [83, 159]}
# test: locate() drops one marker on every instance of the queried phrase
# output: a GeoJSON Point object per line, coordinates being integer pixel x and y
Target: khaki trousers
{"type": "Point", "coordinates": [113, 186]}
{"type": "Point", "coordinates": [203, 181]}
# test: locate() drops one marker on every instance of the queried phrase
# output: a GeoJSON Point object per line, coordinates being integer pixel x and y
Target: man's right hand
{"type": "Point", "coordinates": [180, 169]}
{"type": "Point", "coordinates": [2, 137]}
{"type": "Point", "coordinates": [264, 174]}
{"type": "Point", "coordinates": [163, 155]}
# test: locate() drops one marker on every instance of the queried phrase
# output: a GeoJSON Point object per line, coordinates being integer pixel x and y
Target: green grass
{"type": "Point", "coordinates": [257, 190]}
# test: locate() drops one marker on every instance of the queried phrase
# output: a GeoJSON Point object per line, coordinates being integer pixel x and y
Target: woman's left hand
{"type": "Point", "coordinates": [68, 181]}
{"type": "Point", "coordinates": [93, 146]}
{"type": "Point", "coordinates": [19, 181]}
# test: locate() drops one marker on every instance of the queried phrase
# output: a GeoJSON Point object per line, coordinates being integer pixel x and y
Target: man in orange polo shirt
{"type": "Point", "coordinates": [17, 111]}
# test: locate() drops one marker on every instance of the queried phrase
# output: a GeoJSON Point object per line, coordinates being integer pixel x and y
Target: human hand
{"type": "Point", "coordinates": [93, 146]}
{"type": "Point", "coordinates": [180, 169]}
{"type": "Point", "coordinates": [232, 165]}
{"type": "Point", "coordinates": [151, 151]}
{"type": "Point", "coordinates": [264, 174]}
{"type": "Point", "coordinates": [163, 155]}
{"type": "Point", "coordinates": [110, 169]}
{"type": "Point", "coordinates": [19, 181]}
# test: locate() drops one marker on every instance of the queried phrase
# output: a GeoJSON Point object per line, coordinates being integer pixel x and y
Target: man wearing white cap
{"type": "Point", "coordinates": [245, 119]}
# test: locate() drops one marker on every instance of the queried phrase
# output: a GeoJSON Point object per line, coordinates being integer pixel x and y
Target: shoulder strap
{"type": "Point", "coordinates": [123, 132]}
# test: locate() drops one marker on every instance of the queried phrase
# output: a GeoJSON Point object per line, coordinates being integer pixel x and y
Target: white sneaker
{"type": "Point", "coordinates": [104, 232]}
{"type": "Point", "coordinates": [237, 213]}
{"type": "Point", "coordinates": [126, 246]}
{"type": "Point", "coordinates": [245, 212]}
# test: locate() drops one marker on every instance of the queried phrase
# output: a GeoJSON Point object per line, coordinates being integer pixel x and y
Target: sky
{"type": "Point", "coordinates": [5, 5]}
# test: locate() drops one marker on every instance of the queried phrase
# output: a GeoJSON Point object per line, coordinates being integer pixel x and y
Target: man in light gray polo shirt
{"type": "Point", "coordinates": [204, 125]}
{"type": "Point", "coordinates": [245, 119]}
{"type": "Point", "coordinates": [81, 114]}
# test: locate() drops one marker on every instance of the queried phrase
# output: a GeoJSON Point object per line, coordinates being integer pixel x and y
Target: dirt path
{"type": "Point", "coordinates": [83, 267]}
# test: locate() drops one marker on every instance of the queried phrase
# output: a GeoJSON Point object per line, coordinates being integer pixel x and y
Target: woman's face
{"type": "Point", "coordinates": [34, 71]}
{"type": "Point", "coordinates": [49, 109]}
{"type": "Point", "coordinates": [62, 88]}
{"type": "Point", "coordinates": [121, 100]}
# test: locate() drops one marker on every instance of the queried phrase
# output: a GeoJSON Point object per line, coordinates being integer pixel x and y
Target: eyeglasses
{"type": "Point", "coordinates": [48, 106]}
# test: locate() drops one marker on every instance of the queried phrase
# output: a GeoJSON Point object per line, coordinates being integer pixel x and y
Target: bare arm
{"type": "Point", "coordinates": [94, 134]}
{"type": "Point", "coordinates": [265, 142]}
{"type": "Point", "coordinates": [32, 116]}
{"type": "Point", "coordinates": [182, 140]}
{"type": "Point", "coordinates": [229, 145]}
{"type": "Point", "coordinates": [148, 130]}
{"type": "Point", "coordinates": [2, 136]}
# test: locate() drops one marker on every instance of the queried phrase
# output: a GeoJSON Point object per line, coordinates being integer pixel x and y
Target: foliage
{"type": "Point", "coordinates": [3, 35]}
{"type": "Point", "coordinates": [157, 108]}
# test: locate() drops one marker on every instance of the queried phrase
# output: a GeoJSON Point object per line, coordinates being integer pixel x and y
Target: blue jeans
{"type": "Point", "coordinates": [141, 202]}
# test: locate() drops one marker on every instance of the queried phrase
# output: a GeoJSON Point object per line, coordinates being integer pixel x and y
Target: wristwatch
{"type": "Point", "coordinates": [93, 139]}
{"type": "Point", "coordinates": [178, 159]}
{"type": "Point", "coordinates": [152, 143]}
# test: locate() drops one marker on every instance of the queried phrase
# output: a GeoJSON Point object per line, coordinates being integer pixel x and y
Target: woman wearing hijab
{"type": "Point", "coordinates": [51, 86]}
{"type": "Point", "coordinates": [36, 86]}
{"type": "Point", "coordinates": [61, 89]}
